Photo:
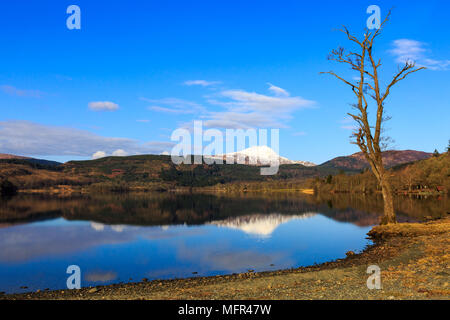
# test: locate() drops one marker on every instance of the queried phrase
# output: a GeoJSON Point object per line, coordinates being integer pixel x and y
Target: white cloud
{"type": "Point", "coordinates": [29, 138]}
{"type": "Point", "coordinates": [119, 153]}
{"type": "Point", "coordinates": [250, 109]}
{"type": "Point", "coordinates": [347, 123]}
{"type": "Point", "coordinates": [202, 83]}
{"type": "Point", "coordinates": [415, 51]}
{"type": "Point", "coordinates": [103, 106]}
{"type": "Point", "coordinates": [241, 109]}
{"type": "Point", "coordinates": [98, 155]}
{"type": "Point", "coordinates": [239, 120]}
{"type": "Point", "coordinates": [277, 90]}
{"type": "Point", "coordinates": [174, 105]}
{"type": "Point", "coordinates": [250, 101]}
{"type": "Point", "coordinates": [13, 91]}
{"type": "Point", "coordinates": [171, 110]}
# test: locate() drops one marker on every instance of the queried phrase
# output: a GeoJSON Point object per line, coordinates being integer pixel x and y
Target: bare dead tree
{"type": "Point", "coordinates": [368, 137]}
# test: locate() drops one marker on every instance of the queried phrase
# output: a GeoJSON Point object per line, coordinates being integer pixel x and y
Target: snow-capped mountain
{"type": "Point", "coordinates": [259, 155]}
{"type": "Point", "coordinates": [259, 224]}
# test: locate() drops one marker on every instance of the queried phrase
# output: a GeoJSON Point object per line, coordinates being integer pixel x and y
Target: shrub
{"type": "Point", "coordinates": [7, 188]}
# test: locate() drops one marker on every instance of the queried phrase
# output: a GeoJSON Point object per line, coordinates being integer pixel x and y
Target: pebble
{"type": "Point", "coordinates": [93, 290]}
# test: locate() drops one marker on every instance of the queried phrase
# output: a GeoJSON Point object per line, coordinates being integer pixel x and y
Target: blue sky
{"type": "Point", "coordinates": [159, 65]}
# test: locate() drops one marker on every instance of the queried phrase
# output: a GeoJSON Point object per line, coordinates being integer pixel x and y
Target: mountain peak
{"type": "Point", "coordinates": [260, 155]}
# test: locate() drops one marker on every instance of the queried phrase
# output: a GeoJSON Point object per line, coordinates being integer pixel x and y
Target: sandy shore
{"type": "Point", "coordinates": [414, 260]}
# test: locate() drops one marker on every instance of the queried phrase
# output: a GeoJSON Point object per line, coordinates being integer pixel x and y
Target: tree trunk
{"type": "Point", "coordinates": [388, 199]}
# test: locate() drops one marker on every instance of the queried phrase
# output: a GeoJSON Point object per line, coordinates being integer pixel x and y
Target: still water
{"type": "Point", "coordinates": [125, 238]}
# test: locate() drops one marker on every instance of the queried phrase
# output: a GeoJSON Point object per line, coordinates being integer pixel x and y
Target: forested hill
{"type": "Point", "coordinates": [159, 168]}
{"type": "Point", "coordinates": [158, 171]}
{"type": "Point", "coordinates": [423, 177]}
{"type": "Point", "coordinates": [392, 158]}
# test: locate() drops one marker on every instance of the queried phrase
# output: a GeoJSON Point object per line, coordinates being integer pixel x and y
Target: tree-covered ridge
{"type": "Point", "coordinates": [425, 176]}
{"type": "Point", "coordinates": [157, 172]}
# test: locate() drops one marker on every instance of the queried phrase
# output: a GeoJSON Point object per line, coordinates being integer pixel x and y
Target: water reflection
{"type": "Point", "coordinates": [118, 237]}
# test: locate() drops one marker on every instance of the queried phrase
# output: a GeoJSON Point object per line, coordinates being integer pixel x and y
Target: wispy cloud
{"type": "Point", "coordinates": [239, 120]}
{"type": "Point", "coordinates": [174, 105]}
{"type": "Point", "coordinates": [30, 138]}
{"type": "Point", "coordinates": [277, 90]}
{"type": "Point", "coordinates": [416, 51]}
{"type": "Point", "coordinates": [13, 91]}
{"type": "Point", "coordinates": [237, 108]}
{"type": "Point", "coordinates": [202, 83]}
{"type": "Point", "coordinates": [103, 106]}
{"type": "Point", "coordinates": [348, 124]}
{"type": "Point", "coordinates": [250, 109]}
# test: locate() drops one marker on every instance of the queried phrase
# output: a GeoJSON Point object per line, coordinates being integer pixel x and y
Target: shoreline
{"type": "Point", "coordinates": [413, 258]}
{"type": "Point", "coordinates": [68, 191]}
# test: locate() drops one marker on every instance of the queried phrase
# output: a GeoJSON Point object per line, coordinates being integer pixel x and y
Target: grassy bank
{"type": "Point", "coordinates": [414, 261]}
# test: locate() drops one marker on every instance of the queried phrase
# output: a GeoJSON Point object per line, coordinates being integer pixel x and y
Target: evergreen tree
{"type": "Point", "coordinates": [436, 153]}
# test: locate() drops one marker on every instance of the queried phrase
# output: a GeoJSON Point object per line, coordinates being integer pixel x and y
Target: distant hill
{"type": "Point", "coordinates": [5, 156]}
{"type": "Point", "coordinates": [11, 156]}
{"type": "Point", "coordinates": [157, 172]}
{"type": "Point", "coordinates": [159, 168]}
{"type": "Point", "coordinates": [429, 176]}
{"type": "Point", "coordinates": [392, 158]}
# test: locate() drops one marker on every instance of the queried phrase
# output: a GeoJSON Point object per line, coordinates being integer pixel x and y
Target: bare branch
{"type": "Point", "coordinates": [402, 74]}
{"type": "Point", "coordinates": [342, 79]}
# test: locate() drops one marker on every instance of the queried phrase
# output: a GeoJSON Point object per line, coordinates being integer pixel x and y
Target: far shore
{"type": "Point", "coordinates": [413, 258]}
{"type": "Point", "coordinates": [64, 190]}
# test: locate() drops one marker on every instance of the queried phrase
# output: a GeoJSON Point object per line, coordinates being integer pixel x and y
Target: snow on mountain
{"type": "Point", "coordinates": [262, 225]}
{"type": "Point", "coordinates": [259, 155]}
